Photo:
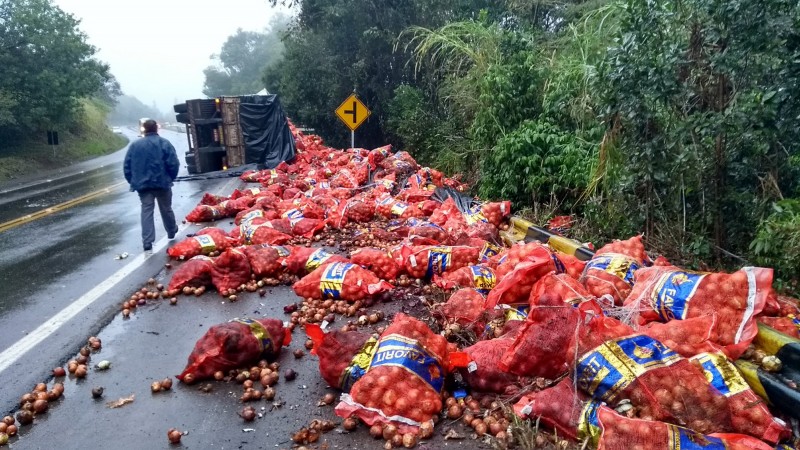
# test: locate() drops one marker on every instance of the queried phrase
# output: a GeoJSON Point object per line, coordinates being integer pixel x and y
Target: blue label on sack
{"type": "Point", "coordinates": [282, 251]}
{"type": "Point", "coordinates": [324, 185]}
{"type": "Point", "coordinates": [207, 244]}
{"type": "Point", "coordinates": [416, 179]}
{"type": "Point", "coordinates": [474, 215]}
{"type": "Point", "coordinates": [559, 265]}
{"type": "Point", "coordinates": [610, 368]}
{"type": "Point", "coordinates": [385, 200]}
{"type": "Point", "coordinates": [488, 251]}
{"type": "Point", "coordinates": [483, 278]}
{"type": "Point", "coordinates": [685, 439]}
{"type": "Point", "coordinates": [589, 424]}
{"type": "Point", "coordinates": [252, 215]}
{"type": "Point", "coordinates": [316, 259]}
{"type": "Point", "coordinates": [399, 351]}
{"type": "Point", "coordinates": [721, 373]}
{"type": "Point", "coordinates": [620, 265]}
{"type": "Point", "coordinates": [358, 365]}
{"type": "Point", "coordinates": [673, 292]}
{"type": "Point", "coordinates": [333, 279]}
{"type": "Point", "coordinates": [438, 260]}
{"type": "Point", "coordinates": [516, 312]}
{"type": "Point", "coordinates": [294, 216]}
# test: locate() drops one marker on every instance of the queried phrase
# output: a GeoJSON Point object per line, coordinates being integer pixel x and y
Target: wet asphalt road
{"type": "Point", "coordinates": [46, 264]}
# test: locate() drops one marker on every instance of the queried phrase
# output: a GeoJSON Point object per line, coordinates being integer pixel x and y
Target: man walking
{"type": "Point", "coordinates": [151, 166]}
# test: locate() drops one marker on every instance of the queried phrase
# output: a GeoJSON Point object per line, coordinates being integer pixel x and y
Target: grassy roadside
{"type": "Point", "coordinates": [89, 139]}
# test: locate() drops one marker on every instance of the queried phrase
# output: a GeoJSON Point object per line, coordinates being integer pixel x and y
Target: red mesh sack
{"type": "Point", "coordinates": [231, 270]}
{"type": "Point", "coordinates": [532, 251]}
{"type": "Point", "coordinates": [560, 407]}
{"type": "Point", "coordinates": [444, 212]}
{"type": "Point", "coordinates": [483, 374]}
{"type": "Point", "coordinates": [305, 260]}
{"type": "Point", "coordinates": [270, 177]}
{"type": "Point", "coordinates": [496, 212]}
{"type": "Point", "coordinates": [466, 308]}
{"type": "Point", "coordinates": [300, 208]}
{"type": "Point", "coordinates": [667, 293]}
{"type": "Point", "coordinates": [206, 213]}
{"type": "Point", "coordinates": [302, 226]}
{"type": "Point", "coordinates": [235, 206]}
{"type": "Point", "coordinates": [405, 379]}
{"type": "Point", "coordinates": [622, 433]}
{"type": "Point", "coordinates": [249, 192]}
{"type": "Point", "coordinates": [240, 342]}
{"type": "Point", "coordinates": [566, 287]}
{"type": "Point", "coordinates": [377, 155]}
{"type": "Point", "coordinates": [786, 325]}
{"type": "Point", "coordinates": [266, 260]}
{"type": "Point", "coordinates": [211, 199]}
{"type": "Point", "coordinates": [425, 261]}
{"type": "Point", "coordinates": [572, 266]}
{"type": "Point", "coordinates": [291, 193]}
{"type": "Point", "coordinates": [204, 242]}
{"type": "Point", "coordinates": [196, 272]}
{"type": "Point", "coordinates": [255, 213]}
{"type": "Point", "coordinates": [360, 212]}
{"type": "Point", "coordinates": [545, 346]}
{"type": "Point", "coordinates": [391, 208]}
{"type": "Point", "coordinates": [749, 412]}
{"type": "Point", "coordinates": [686, 337]}
{"type": "Point", "coordinates": [345, 281]}
{"type": "Point", "coordinates": [430, 231]}
{"type": "Point", "coordinates": [610, 272]}
{"type": "Point", "coordinates": [344, 356]}
{"type": "Point", "coordinates": [377, 261]}
{"type": "Point", "coordinates": [414, 195]}
{"type": "Point", "coordinates": [259, 232]}
{"type": "Point", "coordinates": [515, 286]}
{"type": "Point", "coordinates": [480, 277]}
{"type": "Point", "coordinates": [660, 384]}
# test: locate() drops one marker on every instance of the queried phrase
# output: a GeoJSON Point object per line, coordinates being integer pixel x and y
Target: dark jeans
{"type": "Point", "coordinates": [149, 198]}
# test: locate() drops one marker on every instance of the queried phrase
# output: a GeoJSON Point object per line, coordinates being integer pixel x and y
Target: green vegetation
{"type": "Point", "coordinates": [89, 139]}
{"type": "Point", "coordinates": [50, 81]}
{"type": "Point", "coordinates": [675, 119]}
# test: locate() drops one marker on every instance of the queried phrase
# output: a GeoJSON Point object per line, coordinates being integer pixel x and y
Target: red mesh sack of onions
{"type": "Point", "coordinates": [196, 272]}
{"type": "Point", "coordinates": [749, 413]}
{"type": "Point", "coordinates": [660, 384]}
{"type": "Point", "coordinates": [204, 242]}
{"type": "Point", "coordinates": [483, 373]}
{"type": "Point", "coordinates": [300, 208]}
{"type": "Point", "coordinates": [350, 178]}
{"type": "Point", "coordinates": [561, 407]}
{"type": "Point", "coordinates": [303, 260]}
{"type": "Point", "coordinates": [255, 213]}
{"type": "Point", "coordinates": [428, 230]}
{"type": "Point", "coordinates": [686, 337]}
{"type": "Point", "coordinates": [444, 212]}
{"type": "Point", "coordinates": [345, 281]}
{"type": "Point", "coordinates": [669, 293]}
{"type": "Point", "coordinates": [377, 261]}
{"type": "Point", "coordinates": [234, 344]}
{"type": "Point", "coordinates": [622, 433]}
{"type": "Point", "coordinates": [572, 266]}
{"type": "Point", "coordinates": [305, 227]}
{"type": "Point", "coordinates": [291, 193]}
{"type": "Point", "coordinates": [231, 270]}
{"type": "Point", "coordinates": [427, 261]}
{"type": "Point", "coordinates": [566, 287]}
{"type": "Point", "coordinates": [344, 356]}
{"type": "Point", "coordinates": [377, 155]}
{"type": "Point", "coordinates": [270, 177]}
{"type": "Point", "coordinates": [235, 206]}
{"type": "Point", "coordinates": [610, 271]}
{"type": "Point", "coordinates": [266, 260]}
{"type": "Point", "coordinates": [466, 308]}
{"type": "Point", "coordinates": [391, 208]}
{"type": "Point", "coordinates": [249, 176]}
{"type": "Point", "coordinates": [515, 286]}
{"type": "Point", "coordinates": [496, 212]}
{"type": "Point", "coordinates": [259, 232]}
{"type": "Point", "coordinates": [249, 192]}
{"type": "Point", "coordinates": [404, 382]}
{"type": "Point", "coordinates": [545, 346]}
{"type": "Point", "coordinates": [480, 277]}
{"type": "Point", "coordinates": [786, 325]}
{"type": "Point", "coordinates": [212, 199]}
{"type": "Point", "coordinates": [206, 213]}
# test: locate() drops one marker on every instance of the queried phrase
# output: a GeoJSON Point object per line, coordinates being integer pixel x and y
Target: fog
{"type": "Point", "coordinates": [158, 49]}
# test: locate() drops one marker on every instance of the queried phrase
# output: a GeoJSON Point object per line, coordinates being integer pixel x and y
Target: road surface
{"type": "Point", "coordinates": [63, 284]}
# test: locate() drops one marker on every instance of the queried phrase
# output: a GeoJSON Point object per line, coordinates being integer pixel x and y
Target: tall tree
{"type": "Point", "coordinates": [47, 66]}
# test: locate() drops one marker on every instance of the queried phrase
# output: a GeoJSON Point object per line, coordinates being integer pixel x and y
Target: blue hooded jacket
{"type": "Point", "coordinates": [151, 163]}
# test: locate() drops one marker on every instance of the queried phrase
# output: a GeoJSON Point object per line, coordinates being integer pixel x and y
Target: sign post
{"type": "Point", "coordinates": [353, 113]}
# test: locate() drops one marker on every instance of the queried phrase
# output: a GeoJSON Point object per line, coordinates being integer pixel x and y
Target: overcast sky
{"type": "Point", "coordinates": [158, 49]}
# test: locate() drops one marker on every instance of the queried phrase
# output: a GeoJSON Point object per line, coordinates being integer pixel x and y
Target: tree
{"type": "Point", "coordinates": [47, 66]}
{"type": "Point", "coordinates": [244, 56]}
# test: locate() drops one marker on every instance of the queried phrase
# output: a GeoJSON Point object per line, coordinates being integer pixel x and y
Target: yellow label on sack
{"type": "Point", "coordinates": [399, 208]}
{"type": "Point", "coordinates": [259, 332]}
{"type": "Point", "coordinates": [721, 373]}
{"type": "Point", "coordinates": [333, 279]}
{"type": "Point", "coordinates": [207, 244]}
{"type": "Point", "coordinates": [358, 365]}
{"type": "Point", "coordinates": [589, 425]}
{"type": "Point", "coordinates": [316, 259]}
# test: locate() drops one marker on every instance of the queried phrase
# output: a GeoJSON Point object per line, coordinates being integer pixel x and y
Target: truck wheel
{"type": "Point", "coordinates": [182, 117]}
{"type": "Point", "coordinates": [181, 108]}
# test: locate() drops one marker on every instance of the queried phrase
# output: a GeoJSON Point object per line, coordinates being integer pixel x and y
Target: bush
{"type": "Point", "coordinates": [777, 243]}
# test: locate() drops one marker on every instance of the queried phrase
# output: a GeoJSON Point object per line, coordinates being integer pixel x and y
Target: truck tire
{"type": "Point", "coordinates": [181, 108]}
{"type": "Point", "coordinates": [182, 117]}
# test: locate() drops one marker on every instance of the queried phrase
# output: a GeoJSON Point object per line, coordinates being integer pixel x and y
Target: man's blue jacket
{"type": "Point", "coordinates": [151, 163]}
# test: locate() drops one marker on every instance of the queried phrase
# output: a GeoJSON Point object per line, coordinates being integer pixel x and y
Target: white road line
{"type": "Point", "coordinates": [16, 350]}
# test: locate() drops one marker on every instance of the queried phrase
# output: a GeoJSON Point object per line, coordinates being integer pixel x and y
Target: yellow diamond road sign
{"type": "Point", "coordinates": [352, 112]}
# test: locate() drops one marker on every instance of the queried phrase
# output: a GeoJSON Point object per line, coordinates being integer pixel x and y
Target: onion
{"type": "Point", "coordinates": [3, 438]}
{"type": "Point", "coordinates": [289, 374]}
{"type": "Point", "coordinates": [248, 414]}
{"type": "Point", "coordinates": [425, 430]}
{"type": "Point", "coordinates": [12, 430]}
{"type": "Point", "coordinates": [8, 420]}
{"type": "Point", "coordinates": [97, 392]}
{"type": "Point", "coordinates": [25, 417]}
{"type": "Point", "coordinates": [409, 440]}
{"type": "Point", "coordinates": [174, 436]}
{"type": "Point", "coordinates": [269, 394]}
{"type": "Point", "coordinates": [389, 432]}
{"type": "Point", "coordinates": [299, 353]}
{"type": "Point", "coordinates": [81, 371]}
{"type": "Point", "coordinates": [480, 429]}
{"type": "Point", "coordinates": [40, 406]}
{"type": "Point", "coordinates": [166, 384]}
{"type": "Point", "coordinates": [376, 431]}
{"type": "Point", "coordinates": [454, 412]}
{"type": "Point", "coordinates": [350, 424]}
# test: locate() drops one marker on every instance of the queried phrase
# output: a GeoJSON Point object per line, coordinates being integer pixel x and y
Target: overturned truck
{"type": "Point", "coordinates": [233, 131]}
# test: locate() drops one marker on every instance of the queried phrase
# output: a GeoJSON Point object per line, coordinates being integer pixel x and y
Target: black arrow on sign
{"type": "Point", "coordinates": [353, 112]}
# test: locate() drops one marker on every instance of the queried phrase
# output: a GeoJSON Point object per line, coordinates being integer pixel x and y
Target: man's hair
{"type": "Point", "coordinates": [150, 126]}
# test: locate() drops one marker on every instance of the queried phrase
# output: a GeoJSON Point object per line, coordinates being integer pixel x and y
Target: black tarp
{"type": "Point", "coordinates": [265, 129]}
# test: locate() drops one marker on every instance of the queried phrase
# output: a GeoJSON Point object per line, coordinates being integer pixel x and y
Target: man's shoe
{"type": "Point", "coordinates": [148, 250]}
{"type": "Point", "coordinates": [171, 235]}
